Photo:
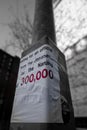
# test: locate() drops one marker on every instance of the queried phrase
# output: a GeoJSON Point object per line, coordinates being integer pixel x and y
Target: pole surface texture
{"type": "Point", "coordinates": [43, 21]}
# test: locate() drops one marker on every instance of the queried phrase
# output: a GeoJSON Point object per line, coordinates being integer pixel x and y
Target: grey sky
{"type": "Point", "coordinates": [8, 9]}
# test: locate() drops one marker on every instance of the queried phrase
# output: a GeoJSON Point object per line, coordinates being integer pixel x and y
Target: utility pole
{"type": "Point", "coordinates": [43, 93]}
{"type": "Point", "coordinates": [43, 21]}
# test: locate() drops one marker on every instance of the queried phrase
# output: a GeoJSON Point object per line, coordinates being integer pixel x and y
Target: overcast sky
{"type": "Point", "coordinates": [8, 9]}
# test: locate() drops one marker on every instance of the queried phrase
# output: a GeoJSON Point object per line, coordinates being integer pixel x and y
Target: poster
{"type": "Point", "coordinates": [37, 96]}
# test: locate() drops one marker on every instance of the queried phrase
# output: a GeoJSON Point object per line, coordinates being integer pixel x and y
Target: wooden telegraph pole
{"type": "Point", "coordinates": [43, 93]}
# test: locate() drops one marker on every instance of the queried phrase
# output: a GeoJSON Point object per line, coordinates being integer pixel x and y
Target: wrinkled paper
{"type": "Point", "coordinates": [37, 96]}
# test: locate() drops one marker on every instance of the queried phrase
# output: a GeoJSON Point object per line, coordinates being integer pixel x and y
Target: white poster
{"type": "Point", "coordinates": [37, 97]}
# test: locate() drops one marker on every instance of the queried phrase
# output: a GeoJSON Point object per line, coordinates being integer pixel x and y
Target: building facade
{"type": "Point", "coordinates": [71, 35]}
{"type": "Point", "coordinates": [8, 75]}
